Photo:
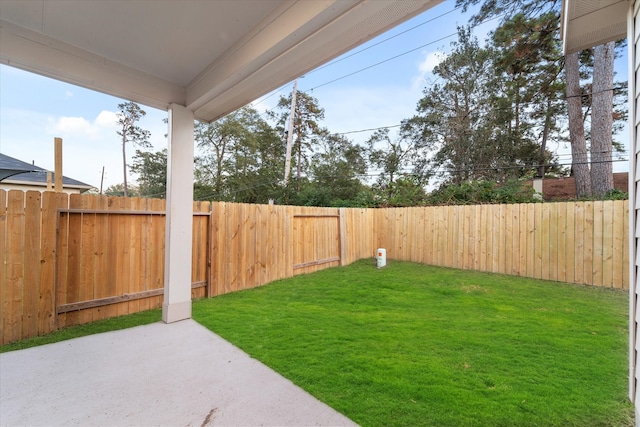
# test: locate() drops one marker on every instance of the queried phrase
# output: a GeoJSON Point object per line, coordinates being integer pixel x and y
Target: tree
{"type": "Point", "coordinates": [305, 126]}
{"type": "Point", "coordinates": [507, 8]}
{"type": "Point", "coordinates": [592, 104]}
{"type": "Point", "coordinates": [241, 159]}
{"type": "Point", "coordinates": [117, 190]}
{"type": "Point", "coordinates": [336, 168]}
{"type": "Point", "coordinates": [151, 169]}
{"type": "Point", "coordinates": [400, 164]}
{"type": "Point", "coordinates": [457, 119]}
{"type": "Point", "coordinates": [130, 113]}
{"type": "Point", "coordinates": [528, 55]}
{"type": "Point", "coordinates": [602, 120]}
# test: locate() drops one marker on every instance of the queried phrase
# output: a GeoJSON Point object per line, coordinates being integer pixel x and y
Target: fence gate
{"type": "Point", "coordinates": [110, 262]}
{"type": "Point", "coordinates": [317, 240]}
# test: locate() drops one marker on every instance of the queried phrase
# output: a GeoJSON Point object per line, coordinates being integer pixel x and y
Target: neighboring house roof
{"type": "Point", "coordinates": [19, 172]}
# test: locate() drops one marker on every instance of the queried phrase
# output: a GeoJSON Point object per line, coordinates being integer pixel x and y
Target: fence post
{"type": "Point", "coordinates": [342, 231]}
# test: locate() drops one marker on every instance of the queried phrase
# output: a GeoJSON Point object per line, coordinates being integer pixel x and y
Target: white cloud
{"type": "Point", "coordinates": [80, 126]}
{"type": "Point", "coordinates": [70, 125]}
{"type": "Point", "coordinates": [425, 67]}
{"type": "Point", "coordinates": [68, 94]}
{"type": "Point", "coordinates": [106, 119]}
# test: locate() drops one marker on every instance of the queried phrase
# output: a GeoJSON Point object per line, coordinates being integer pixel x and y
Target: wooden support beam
{"type": "Point", "coordinates": [57, 148]}
{"type": "Point", "coordinates": [318, 262]}
{"type": "Point", "coordinates": [65, 308]}
{"type": "Point", "coordinates": [316, 216]}
{"type": "Point", "coordinates": [100, 302]}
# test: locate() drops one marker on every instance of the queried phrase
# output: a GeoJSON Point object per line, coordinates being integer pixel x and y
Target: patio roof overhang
{"type": "Point", "coordinates": [591, 23]}
{"type": "Point", "coordinates": [211, 57]}
{"type": "Point", "coordinates": [195, 58]}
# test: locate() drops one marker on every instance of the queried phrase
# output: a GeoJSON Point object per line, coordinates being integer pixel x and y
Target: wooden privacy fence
{"type": "Point", "coordinates": [574, 242]}
{"type": "Point", "coordinates": [74, 259]}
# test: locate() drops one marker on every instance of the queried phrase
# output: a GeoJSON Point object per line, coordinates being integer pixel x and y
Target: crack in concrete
{"type": "Point", "coordinates": [208, 418]}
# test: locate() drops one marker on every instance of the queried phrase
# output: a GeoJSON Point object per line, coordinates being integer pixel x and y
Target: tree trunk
{"type": "Point", "coordinates": [580, 161]}
{"type": "Point", "coordinates": [124, 162]}
{"type": "Point", "coordinates": [602, 120]}
{"type": "Point", "coordinates": [545, 136]}
{"type": "Point", "coordinates": [299, 168]}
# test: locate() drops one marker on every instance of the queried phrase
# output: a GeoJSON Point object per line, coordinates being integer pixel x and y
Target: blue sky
{"type": "Point", "coordinates": [35, 109]}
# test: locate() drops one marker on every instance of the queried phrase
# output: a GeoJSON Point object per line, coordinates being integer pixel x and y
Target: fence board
{"type": "Point", "coordinates": [62, 247]}
{"type": "Point", "coordinates": [516, 238]}
{"type": "Point", "coordinates": [133, 241]}
{"type": "Point", "coordinates": [538, 248]}
{"type": "Point", "coordinates": [554, 231]}
{"type": "Point", "coordinates": [143, 273]}
{"type": "Point", "coordinates": [432, 247]}
{"type": "Point", "coordinates": [477, 213]}
{"type": "Point", "coordinates": [100, 242]}
{"type": "Point", "coordinates": [618, 241]}
{"type": "Point", "coordinates": [546, 243]}
{"type": "Point", "coordinates": [87, 257]}
{"type": "Point", "coordinates": [523, 219]}
{"type": "Point", "coordinates": [123, 277]}
{"type": "Point", "coordinates": [569, 244]}
{"type": "Point", "coordinates": [588, 243]}
{"type": "Point", "coordinates": [217, 224]}
{"type": "Point", "coordinates": [531, 241]}
{"type": "Point", "coordinates": [497, 241]}
{"type": "Point", "coordinates": [3, 254]}
{"type": "Point", "coordinates": [579, 223]}
{"type": "Point", "coordinates": [12, 322]}
{"type": "Point", "coordinates": [507, 250]}
{"type": "Point", "coordinates": [485, 219]}
{"type": "Point", "coordinates": [157, 248]}
{"type": "Point", "coordinates": [452, 236]}
{"type": "Point", "coordinates": [458, 238]}
{"type": "Point", "coordinates": [598, 243]}
{"type": "Point", "coordinates": [49, 214]}
{"type": "Point", "coordinates": [264, 244]}
{"type": "Point", "coordinates": [607, 243]}
{"type": "Point", "coordinates": [250, 245]}
{"type": "Point", "coordinates": [32, 263]}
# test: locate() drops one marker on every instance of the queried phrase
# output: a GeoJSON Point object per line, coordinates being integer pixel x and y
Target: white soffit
{"type": "Point", "coordinates": [212, 56]}
{"type": "Point", "coordinates": [589, 23]}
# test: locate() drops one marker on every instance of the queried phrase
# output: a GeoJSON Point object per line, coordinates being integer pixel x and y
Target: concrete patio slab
{"type": "Point", "coordinates": [178, 374]}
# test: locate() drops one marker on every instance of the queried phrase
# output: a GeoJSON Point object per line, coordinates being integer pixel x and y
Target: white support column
{"type": "Point", "coordinates": [177, 258]}
{"type": "Point", "coordinates": [633, 36]}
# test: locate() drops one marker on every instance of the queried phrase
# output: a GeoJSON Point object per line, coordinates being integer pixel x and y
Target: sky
{"type": "Point", "coordinates": [35, 109]}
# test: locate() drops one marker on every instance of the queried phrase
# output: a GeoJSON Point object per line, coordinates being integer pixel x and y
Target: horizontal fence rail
{"type": "Point", "coordinates": [74, 259]}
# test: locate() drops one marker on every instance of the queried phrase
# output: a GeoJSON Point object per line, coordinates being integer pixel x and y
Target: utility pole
{"type": "Point", "coordinates": [287, 162]}
{"type": "Point", "coordinates": [101, 180]}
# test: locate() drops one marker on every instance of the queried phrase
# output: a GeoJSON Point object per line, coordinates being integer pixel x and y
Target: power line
{"type": "Point", "coordinates": [367, 130]}
{"type": "Point", "coordinates": [399, 55]}
{"type": "Point", "coordinates": [384, 41]}
{"type": "Point", "coordinates": [364, 49]}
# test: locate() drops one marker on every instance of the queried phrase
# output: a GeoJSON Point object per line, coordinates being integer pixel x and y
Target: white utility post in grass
{"type": "Point", "coordinates": [177, 256]}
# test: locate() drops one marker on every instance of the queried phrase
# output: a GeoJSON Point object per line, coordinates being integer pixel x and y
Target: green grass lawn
{"type": "Point", "coordinates": [77, 331]}
{"type": "Point", "coordinates": [412, 345]}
